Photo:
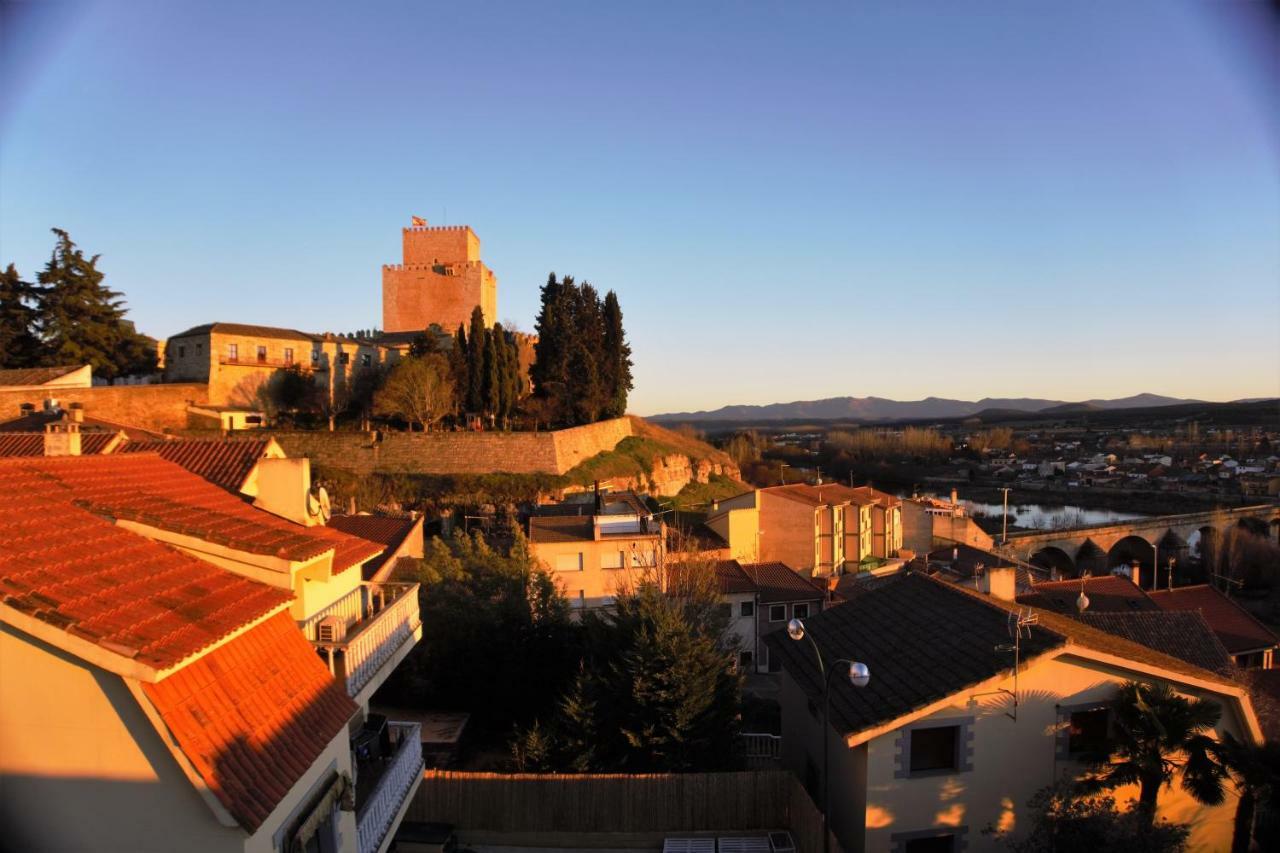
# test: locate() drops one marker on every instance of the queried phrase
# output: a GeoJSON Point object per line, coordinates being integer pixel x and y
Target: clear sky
{"type": "Point", "coordinates": [1062, 200]}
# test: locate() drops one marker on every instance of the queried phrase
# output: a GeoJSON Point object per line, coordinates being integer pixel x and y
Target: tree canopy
{"type": "Point", "coordinates": [69, 317]}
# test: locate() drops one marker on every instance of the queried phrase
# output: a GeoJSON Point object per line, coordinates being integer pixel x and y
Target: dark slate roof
{"type": "Point", "coordinates": [729, 576]}
{"type": "Point", "coordinates": [561, 529]}
{"type": "Point", "coordinates": [34, 375]}
{"type": "Point", "coordinates": [923, 640]}
{"type": "Point", "coordinates": [1106, 594]}
{"type": "Point", "coordinates": [246, 330]}
{"type": "Point", "coordinates": [926, 639]}
{"type": "Point", "coordinates": [1236, 627]}
{"type": "Point", "coordinates": [1182, 635]}
{"type": "Point", "coordinates": [779, 582]}
{"type": "Point", "coordinates": [36, 422]}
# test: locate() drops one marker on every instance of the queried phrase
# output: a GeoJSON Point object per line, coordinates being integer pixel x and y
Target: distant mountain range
{"type": "Point", "coordinates": [881, 409]}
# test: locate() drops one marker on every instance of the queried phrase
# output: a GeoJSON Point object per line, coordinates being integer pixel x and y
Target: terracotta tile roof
{"type": "Point", "coordinates": [130, 595]}
{"type": "Point", "coordinates": [223, 463]}
{"type": "Point", "coordinates": [34, 375]}
{"type": "Point", "coordinates": [32, 443]}
{"type": "Point", "coordinates": [36, 421]}
{"type": "Point", "coordinates": [1182, 635]}
{"type": "Point", "coordinates": [1236, 627]}
{"type": "Point", "coordinates": [926, 639]}
{"type": "Point", "coordinates": [779, 582]}
{"type": "Point", "coordinates": [144, 488]}
{"type": "Point", "coordinates": [387, 532]}
{"type": "Point", "coordinates": [832, 493]}
{"type": "Point", "coordinates": [253, 715]}
{"type": "Point", "coordinates": [1106, 593]}
{"type": "Point", "coordinates": [729, 575]}
{"type": "Point", "coordinates": [246, 330]}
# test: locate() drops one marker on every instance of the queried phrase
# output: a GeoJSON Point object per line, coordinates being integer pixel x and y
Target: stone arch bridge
{"type": "Point", "coordinates": [1151, 541]}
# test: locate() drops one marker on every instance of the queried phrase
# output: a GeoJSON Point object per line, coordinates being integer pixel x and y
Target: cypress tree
{"type": "Point", "coordinates": [491, 388]}
{"type": "Point", "coordinates": [617, 359]}
{"type": "Point", "coordinates": [458, 360]}
{"type": "Point", "coordinates": [19, 338]}
{"type": "Point", "coordinates": [587, 390]}
{"type": "Point", "coordinates": [83, 321]}
{"type": "Point", "coordinates": [475, 362]}
{"type": "Point", "coordinates": [554, 327]}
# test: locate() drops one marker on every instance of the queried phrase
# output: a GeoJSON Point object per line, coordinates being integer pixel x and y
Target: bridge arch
{"type": "Point", "coordinates": [1091, 558]}
{"type": "Point", "coordinates": [1056, 560]}
{"type": "Point", "coordinates": [1204, 544]}
{"type": "Point", "coordinates": [1130, 548]}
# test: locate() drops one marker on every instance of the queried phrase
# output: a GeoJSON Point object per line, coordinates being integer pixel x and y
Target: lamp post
{"type": "Point", "coordinates": [859, 675]}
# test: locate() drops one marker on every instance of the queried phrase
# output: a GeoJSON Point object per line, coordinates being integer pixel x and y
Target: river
{"type": "Point", "coordinates": [1047, 517]}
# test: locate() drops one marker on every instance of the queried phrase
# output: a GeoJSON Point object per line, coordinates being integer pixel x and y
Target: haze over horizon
{"type": "Point", "coordinates": [1000, 200]}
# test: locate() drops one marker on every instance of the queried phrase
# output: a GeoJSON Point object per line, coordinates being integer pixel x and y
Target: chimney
{"type": "Point", "coordinates": [999, 582]}
{"type": "Point", "coordinates": [599, 504]}
{"type": "Point", "coordinates": [62, 438]}
{"type": "Point", "coordinates": [1135, 573]}
{"type": "Point", "coordinates": [76, 410]}
{"type": "Point", "coordinates": [26, 409]}
{"type": "Point", "coordinates": [955, 497]}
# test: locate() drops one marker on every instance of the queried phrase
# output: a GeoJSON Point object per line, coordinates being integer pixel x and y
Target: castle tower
{"type": "Point", "coordinates": [440, 280]}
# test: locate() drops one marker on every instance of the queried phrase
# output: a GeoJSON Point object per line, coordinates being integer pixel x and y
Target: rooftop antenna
{"type": "Point", "coordinates": [1019, 621]}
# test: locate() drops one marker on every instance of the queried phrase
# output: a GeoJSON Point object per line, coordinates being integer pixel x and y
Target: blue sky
{"type": "Point", "coordinates": [792, 201]}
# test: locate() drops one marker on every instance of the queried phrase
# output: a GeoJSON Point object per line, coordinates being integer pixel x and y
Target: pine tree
{"type": "Point", "coordinates": [82, 320]}
{"type": "Point", "coordinates": [19, 338]}
{"type": "Point", "coordinates": [475, 362]}
{"type": "Point", "coordinates": [617, 359]}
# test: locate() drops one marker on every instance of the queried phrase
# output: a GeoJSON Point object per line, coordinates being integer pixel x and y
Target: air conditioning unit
{"type": "Point", "coordinates": [331, 629]}
{"type": "Point", "coordinates": [782, 842]}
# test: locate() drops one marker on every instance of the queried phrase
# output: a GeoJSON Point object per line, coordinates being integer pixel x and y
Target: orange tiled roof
{"type": "Point", "coordinates": [99, 582]}
{"type": "Point", "coordinates": [32, 443]}
{"type": "Point", "coordinates": [223, 463]}
{"type": "Point", "coordinates": [253, 715]}
{"type": "Point", "coordinates": [34, 375]}
{"type": "Point", "coordinates": [144, 488]}
{"type": "Point", "coordinates": [1236, 627]}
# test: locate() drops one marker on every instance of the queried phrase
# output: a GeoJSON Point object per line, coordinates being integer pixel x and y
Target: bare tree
{"type": "Point", "coordinates": [420, 390]}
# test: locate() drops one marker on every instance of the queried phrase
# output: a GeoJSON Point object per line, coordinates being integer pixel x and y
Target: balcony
{"type": "Point", "coordinates": [388, 769]}
{"type": "Point", "coordinates": [366, 632]}
{"type": "Point", "coordinates": [265, 362]}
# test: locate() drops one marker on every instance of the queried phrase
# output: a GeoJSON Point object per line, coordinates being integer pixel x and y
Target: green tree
{"type": "Point", "coordinates": [491, 384]}
{"type": "Point", "coordinates": [458, 361]}
{"type": "Point", "coordinates": [616, 360]}
{"type": "Point", "coordinates": [475, 362]}
{"type": "Point", "coordinates": [554, 327]}
{"type": "Point", "coordinates": [420, 390]}
{"type": "Point", "coordinates": [19, 338]}
{"type": "Point", "coordinates": [82, 321]}
{"type": "Point", "coordinates": [1159, 735]}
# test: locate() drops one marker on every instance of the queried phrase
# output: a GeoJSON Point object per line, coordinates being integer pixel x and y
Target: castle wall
{"type": "Point", "coordinates": [447, 244]}
{"type": "Point", "coordinates": [155, 407]}
{"type": "Point", "coordinates": [416, 295]}
{"type": "Point", "coordinates": [454, 452]}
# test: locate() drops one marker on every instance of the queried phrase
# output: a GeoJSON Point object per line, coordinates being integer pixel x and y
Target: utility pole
{"type": "Point", "coordinates": [1004, 534]}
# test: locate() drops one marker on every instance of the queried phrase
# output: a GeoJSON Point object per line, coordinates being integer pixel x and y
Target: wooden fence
{"type": "Point", "coordinates": [619, 803]}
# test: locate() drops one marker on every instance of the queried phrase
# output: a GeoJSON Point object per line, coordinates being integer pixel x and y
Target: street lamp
{"type": "Point", "coordinates": [859, 675]}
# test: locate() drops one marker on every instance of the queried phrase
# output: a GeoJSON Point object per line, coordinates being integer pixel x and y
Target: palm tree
{"type": "Point", "coordinates": [1256, 772]}
{"type": "Point", "coordinates": [1156, 734]}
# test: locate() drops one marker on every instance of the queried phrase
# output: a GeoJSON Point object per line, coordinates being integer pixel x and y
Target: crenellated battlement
{"type": "Point", "coordinates": [440, 279]}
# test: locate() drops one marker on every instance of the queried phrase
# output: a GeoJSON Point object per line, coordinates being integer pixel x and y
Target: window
{"type": "Point", "coordinates": [1087, 732]}
{"type": "Point", "coordinates": [569, 562]}
{"type": "Point", "coordinates": [182, 352]}
{"type": "Point", "coordinates": [748, 608]}
{"type": "Point", "coordinates": [288, 355]}
{"type": "Point", "coordinates": [613, 559]}
{"type": "Point", "coordinates": [744, 660]}
{"type": "Point", "coordinates": [933, 844]}
{"type": "Point", "coordinates": [262, 355]}
{"type": "Point", "coordinates": [800, 611]}
{"type": "Point", "coordinates": [233, 352]}
{"type": "Point", "coordinates": [315, 356]}
{"type": "Point", "coordinates": [344, 358]}
{"type": "Point", "coordinates": [777, 613]}
{"type": "Point", "coordinates": [199, 348]}
{"type": "Point", "coordinates": [366, 359]}
{"type": "Point", "coordinates": [934, 748]}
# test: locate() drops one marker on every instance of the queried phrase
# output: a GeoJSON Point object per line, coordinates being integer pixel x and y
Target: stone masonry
{"type": "Point", "coordinates": [441, 280]}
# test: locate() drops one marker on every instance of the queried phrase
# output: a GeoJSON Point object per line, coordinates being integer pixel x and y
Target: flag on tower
{"type": "Point", "coordinates": [417, 220]}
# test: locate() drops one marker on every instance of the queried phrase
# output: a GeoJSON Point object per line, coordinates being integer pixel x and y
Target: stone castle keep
{"type": "Point", "coordinates": [440, 280]}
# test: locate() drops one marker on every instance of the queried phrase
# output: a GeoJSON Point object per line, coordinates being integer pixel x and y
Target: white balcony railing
{"type": "Point", "coordinates": [760, 749]}
{"type": "Point", "coordinates": [377, 814]}
{"type": "Point", "coordinates": [377, 619]}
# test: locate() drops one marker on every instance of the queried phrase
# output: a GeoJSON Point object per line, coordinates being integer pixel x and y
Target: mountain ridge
{"type": "Point", "coordinates": [882, 408]}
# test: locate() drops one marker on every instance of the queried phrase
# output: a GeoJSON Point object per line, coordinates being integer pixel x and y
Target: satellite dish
{"type": "Point", "coordinates": [326, 509]}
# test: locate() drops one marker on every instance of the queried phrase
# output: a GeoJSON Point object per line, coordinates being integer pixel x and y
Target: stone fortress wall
{"type": "Point", "coordinates": [440, 280]}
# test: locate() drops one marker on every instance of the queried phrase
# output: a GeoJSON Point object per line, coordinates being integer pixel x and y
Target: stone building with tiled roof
{"type": "Point", "coordinates": [820, 530]}
{"type": "Point", "coordinates": [967, 714]}
{"type": "Point", "coordinates": [183, 668]}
